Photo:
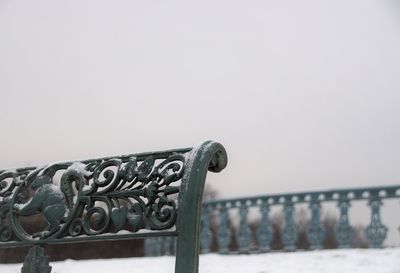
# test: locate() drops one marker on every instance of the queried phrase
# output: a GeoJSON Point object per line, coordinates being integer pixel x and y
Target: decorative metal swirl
{"type": "Point", "coordinates": [92, 197]}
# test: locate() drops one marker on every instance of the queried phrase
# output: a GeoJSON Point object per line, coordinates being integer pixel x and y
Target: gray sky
{"type": "Point", "coordinates": [303, 94]}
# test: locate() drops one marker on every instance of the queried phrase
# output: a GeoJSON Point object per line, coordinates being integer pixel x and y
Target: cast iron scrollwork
{"type": "Point", "coordinates": [91, 198]}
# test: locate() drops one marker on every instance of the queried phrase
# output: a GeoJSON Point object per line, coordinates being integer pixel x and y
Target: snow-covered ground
{"type": "Point", "coordinates": [326, 261]}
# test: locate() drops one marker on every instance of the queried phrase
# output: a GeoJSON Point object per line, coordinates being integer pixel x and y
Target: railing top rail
{"type": "Point", "coordinates": [363, 193]}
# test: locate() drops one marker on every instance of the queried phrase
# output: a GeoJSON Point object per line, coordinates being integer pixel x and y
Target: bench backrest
{"type": "Point", "coordinates": [126, 197]}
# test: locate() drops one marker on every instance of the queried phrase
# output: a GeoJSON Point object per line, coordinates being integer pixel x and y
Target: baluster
{"type": "Point", "coordinates": [151, 246]}
{"type": "Point", "coordinates": [223, 232]}
{"type": "Point", "coordinates": [315, 232]}
{"type": "Point", "coordinates": [344, 232]}
{"type": "Point", "coordinates": [173, 246]}
{"type": "Point", "coordinates": [206, 235]}
{"type": "Point", "coordinates": [264, 231]}
{"type": "Point", "coordinates": [161, 246]}
{"type": "Point", "coordinates": [158, 247]}
{"type": "Point", "coordinates": [167, 246]}
{"type": "Point", "coordinates": [243, 233]}
{"type": "Point", "coordinates": [289, 234]}
{"type": "Point", "coordinates": [154, 246]}
{"type": "Point", "coordinates": [376, 231]}
{"type": "Point", "coordinates": [147, 247]}
{"type": "Point", "coordinates": [36, 261]}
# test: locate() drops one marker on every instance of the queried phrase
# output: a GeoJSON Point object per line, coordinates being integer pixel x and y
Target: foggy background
{"type": "Point", "coordinates": [304, 95]}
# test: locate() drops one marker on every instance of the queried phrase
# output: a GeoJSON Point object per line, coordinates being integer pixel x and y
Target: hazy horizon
{"type": "Point", "coordinates": [304, 95]}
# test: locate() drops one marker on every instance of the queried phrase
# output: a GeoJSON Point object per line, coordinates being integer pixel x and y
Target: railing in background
{"type": "Point", "coordinates": [219, 233]}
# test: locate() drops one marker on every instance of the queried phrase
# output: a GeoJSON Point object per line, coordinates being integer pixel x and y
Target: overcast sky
{"type": "Point", "coordinates": [303, 94]}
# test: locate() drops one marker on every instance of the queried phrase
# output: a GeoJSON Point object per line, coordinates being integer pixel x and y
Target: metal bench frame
{"type": "Point", "coordinates": [137, 196]}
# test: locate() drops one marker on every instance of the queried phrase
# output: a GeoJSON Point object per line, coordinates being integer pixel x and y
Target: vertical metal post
{"type": "Point", "coordinates": [376, 231]}
{"type": "Point", "coordinates": [243, 233]}
{"type": "Point", "coordinates": [223, 230]}
{"type": "Point", "coordinates": [344, 232]}
{"type": "Point", "coordinates": [315, 231]}
{"type": "Point", "coordinates": [205, 234]}
{"type": "Point", "coordinates": [264, 231]}
{"type": "Point", "coordinates": [36, 261]}
{"type": "Point", "coordinates": [289, 234]}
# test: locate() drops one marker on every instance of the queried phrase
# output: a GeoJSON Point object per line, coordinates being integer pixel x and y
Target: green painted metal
{"type": "Point", "coordinates": [206, 235]}
{"type": "Point", "coordinates": [376, 231]}
{"type": "Point", "coordinates": [225, 209]}
{"type": "Point", "coordinates": [219, 216]}
{"type": "Point", "coordinates": [362, 193]}
{"type": "Point", "coordinates": [209, 156]}
{"type": "Point", "coordinates": [264, 232]}
{"type": "Point", "coordinates": [289, 234]}
{"type": "Point", "coordinates": [344, 231]}
{"type": "Point", "coordinates": [243, 232]}
{"type": "Point", "coordinates": [36, 261]}
{"type": "Point", "coordinates": [224, 233]}
{"type": "Point", "coordinates": [315, 232]}
{"type": "Point", "coordinates": [125, 197]}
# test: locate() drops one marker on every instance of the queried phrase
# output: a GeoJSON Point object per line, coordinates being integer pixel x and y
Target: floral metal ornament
{"type": "Point", "coordinates": [102, 196]}
{"type": "Point", "coordinates": [125, 197]}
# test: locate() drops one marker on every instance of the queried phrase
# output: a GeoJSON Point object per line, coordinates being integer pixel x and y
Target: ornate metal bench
{"type": "Point", "coordinates": [126, 197]}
